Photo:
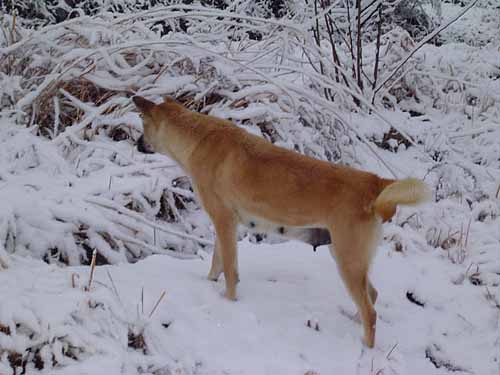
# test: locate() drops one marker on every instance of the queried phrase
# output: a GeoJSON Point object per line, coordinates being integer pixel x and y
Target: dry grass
{"type": "Point", "coordinates": [137, 341]}
{"type": "Point", "coordinates": [92, 270]}
{"type": "Point", "coordinates": [32, 356]}
{"type": "Point", "coordinates": [136, 331]}
{"type": "Point", "coordinates": [156, 304]}
{"type": "Point", "coordinates": [53, 113]}
{"type": "Point", "coordinates": [455, 242]}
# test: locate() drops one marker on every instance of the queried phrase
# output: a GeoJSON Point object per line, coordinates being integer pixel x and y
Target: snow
{"type": "Point", "coordinates": [265, 331]}
{"type": "Point", "coordinates": [71, 180]}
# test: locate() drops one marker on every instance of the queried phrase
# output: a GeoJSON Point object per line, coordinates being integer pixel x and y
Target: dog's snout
{"type": "Point", "coordinates": [142, 146]}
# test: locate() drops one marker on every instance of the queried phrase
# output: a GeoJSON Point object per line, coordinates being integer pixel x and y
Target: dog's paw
{"type": "Point", "coordinates": [213, 278]}
{"type": "Point", "coordinates": [230, 295]}
{"type": "Point", "coordinates": [369, 341]}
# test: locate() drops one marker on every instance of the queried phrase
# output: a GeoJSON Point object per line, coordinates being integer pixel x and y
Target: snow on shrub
{"type": "Point", "coordinates": [71, 83]}
{"type": "Point", "coordinates": [76, 327]}
{"type": "Point", "coordinates": [74, 88]}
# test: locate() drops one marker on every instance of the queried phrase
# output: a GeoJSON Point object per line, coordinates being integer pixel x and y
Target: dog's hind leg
{"type": "Point", "coordinates": [373, 292]}
{"type": "Point", "coordinates": [353, 253]}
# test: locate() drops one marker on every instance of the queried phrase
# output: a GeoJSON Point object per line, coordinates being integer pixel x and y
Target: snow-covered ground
{"type": "Point", "coordinates": [194, 330]}
{"type": "Point", "coordinates": [71, 180]}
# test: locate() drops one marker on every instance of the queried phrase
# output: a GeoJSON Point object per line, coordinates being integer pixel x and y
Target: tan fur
{"type": "Point", "coordinates": [409, 191]}
{"type": "Point", "coordinates": [238, 175]}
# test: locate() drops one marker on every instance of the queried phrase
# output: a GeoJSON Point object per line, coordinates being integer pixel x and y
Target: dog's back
{"type": "Point", "coordinates": [257, 178]}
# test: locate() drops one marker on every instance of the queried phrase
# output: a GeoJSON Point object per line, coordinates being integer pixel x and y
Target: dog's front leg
{"type": "Point", "coordinates": [225, 252]}
{"type": "Point", "coordinates": [225, 229]}
{"type": "Point", "coordinates": [216, 268]}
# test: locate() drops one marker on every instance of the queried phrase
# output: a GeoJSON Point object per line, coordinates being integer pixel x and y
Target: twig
{"type": "Point", "coordinates": [478, 131]}
{"type": "Point", "coordinates": [330, 24]}
{"type": "Point", "coordinates": [86, 121]}
{"type": "Point", "coordinates": [157, 303]}
{"type": "Point", "coordinates": [92, 269]}
{"type": "Point", "coordinates": [13, 29]}
{"type": "Point", "coordinates": [74, 278]}
{"type": "Point", "coordinates": [467, 234]}
{"type": "Point", "coordinates": [491, 297]}
{"type": "Point", "coordinates": [113, 206]}
{"type": "Point", "coordinates": [153, 249]}
{"type": "Point", "coordinates": [57, 115]}
{"type": "Point", "coordinates": [468, 268]}
{"type": "Point", "coordinates": [41, 33]}
{"type": "Point", "coordinates": [349, 31]}
{"type": "Point", "coordinates": [390, 351]}
{"type": "Point", "coordinates": [465, 320]}
{"type": "Point", "coordinates": [189, 10]}
{"type": "Point", "coordinates": [318, 43]}
{"type": "Point", "coordinates": [142, 300]}
{"type": "Point", "coordinates": [377, 53]}
{"type": "Point", "coordinates": [359, 48]}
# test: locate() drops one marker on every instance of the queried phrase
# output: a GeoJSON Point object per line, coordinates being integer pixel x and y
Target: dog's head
{"type": "Point", "coordinates": [145, 143]}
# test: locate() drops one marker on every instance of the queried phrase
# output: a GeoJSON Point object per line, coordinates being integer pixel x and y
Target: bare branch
{"type": "Point", "coordinates": [420, 45]}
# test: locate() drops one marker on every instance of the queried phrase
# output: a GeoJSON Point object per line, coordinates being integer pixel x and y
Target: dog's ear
{"type": "Point", "coordinates": [169, 99]}
{"type": "Point", "coordinates": [143, 104]}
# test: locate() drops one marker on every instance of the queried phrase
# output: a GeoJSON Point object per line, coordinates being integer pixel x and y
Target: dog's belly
{"type": "Point", "coordinates": [260, 225]}
{"type": "Point", "coordinates": [315, 236]}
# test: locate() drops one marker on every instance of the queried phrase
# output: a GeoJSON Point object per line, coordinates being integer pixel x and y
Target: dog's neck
{"type": "Point", "coordinates": [181, 137]}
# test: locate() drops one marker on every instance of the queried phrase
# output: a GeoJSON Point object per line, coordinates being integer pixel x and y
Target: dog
{"type": "Point", "coordinates": [241, 178]}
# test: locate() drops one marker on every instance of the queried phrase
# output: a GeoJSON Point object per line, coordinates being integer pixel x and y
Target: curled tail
{"type": "Point", "coordinates": [409, 192]}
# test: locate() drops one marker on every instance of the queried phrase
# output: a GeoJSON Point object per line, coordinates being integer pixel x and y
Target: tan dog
{"type": "Point", "coordinates": [241, 178]}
